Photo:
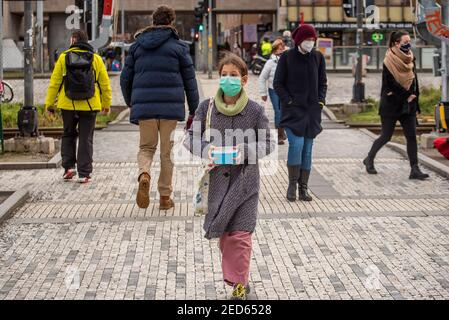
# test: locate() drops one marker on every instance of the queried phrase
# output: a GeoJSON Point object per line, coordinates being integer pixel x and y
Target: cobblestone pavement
{"type": "Point", "coordinates": [364, 237]}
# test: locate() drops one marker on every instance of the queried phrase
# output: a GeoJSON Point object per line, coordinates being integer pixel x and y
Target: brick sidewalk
{"type": "Point", "coordinates": [364, 237]}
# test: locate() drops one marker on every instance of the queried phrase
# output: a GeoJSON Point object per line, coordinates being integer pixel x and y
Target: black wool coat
{"type": "Point", "coordinates": [393, 96]}
{"type": "Point", "coordinates": [301, 83]}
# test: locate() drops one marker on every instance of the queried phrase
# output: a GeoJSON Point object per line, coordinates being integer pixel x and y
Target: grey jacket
{"type": "Point", "coordinates": [233, 190]}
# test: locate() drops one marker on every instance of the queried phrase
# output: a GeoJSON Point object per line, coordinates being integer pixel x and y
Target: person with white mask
{"type": "Point", "coordinates": [301, 83]}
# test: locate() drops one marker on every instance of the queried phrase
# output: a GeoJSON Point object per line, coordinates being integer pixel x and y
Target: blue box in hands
{"type": "Point", "coordinates": [225, 155]}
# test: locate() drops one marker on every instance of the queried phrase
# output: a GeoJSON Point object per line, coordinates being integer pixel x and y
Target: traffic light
{"type": "Point", "coordinates": [199, 12]}
{"type": "Point", "coordinates": [198, 15]}
{"type": "Point", "coordinates": [88, 11]}
{"type": "Point", "coordinates": [350, 7]}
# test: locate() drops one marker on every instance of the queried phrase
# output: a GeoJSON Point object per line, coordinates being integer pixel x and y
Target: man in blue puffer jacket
{"type": "Point", "coordinates": [157, 76]}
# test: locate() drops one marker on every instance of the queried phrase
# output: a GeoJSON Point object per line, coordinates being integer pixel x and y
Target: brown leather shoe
{"type": "Point", "coordinates": [143, 194]}
{"type": "Point", "coordinates": [166, 203]}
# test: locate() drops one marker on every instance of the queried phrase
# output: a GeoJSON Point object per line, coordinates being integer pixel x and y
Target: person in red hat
{"type": "Point", "coordinates": [301, 83]}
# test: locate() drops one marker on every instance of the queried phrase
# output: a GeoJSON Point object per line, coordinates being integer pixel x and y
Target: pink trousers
{"type": "Point", "coordinates": [236, 250]}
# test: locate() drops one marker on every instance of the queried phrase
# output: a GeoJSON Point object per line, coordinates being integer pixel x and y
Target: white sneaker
{"type": "Point", "coordinates": [69, 174]}
{"type": "Point", "coordinates": [84, 180]}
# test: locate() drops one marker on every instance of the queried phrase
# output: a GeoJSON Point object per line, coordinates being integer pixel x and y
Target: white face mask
{"type": "Point", "coordinates": [307, 45]}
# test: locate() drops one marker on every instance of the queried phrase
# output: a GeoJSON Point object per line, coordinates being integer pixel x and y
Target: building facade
{"type": "Point", "coordinates": [241, 22]}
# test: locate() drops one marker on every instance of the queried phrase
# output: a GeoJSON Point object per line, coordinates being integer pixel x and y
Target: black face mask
{"type": "Point", "coordinates": [406, 47]}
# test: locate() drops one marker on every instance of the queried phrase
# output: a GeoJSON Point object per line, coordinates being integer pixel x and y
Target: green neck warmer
{"type": "Point", "coordinates": [233, 109]}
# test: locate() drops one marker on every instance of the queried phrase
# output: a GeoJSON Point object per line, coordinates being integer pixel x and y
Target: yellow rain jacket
{"type": "Point", "coordinates": [103, 92]}
{"type": "Point", "coordinates": [266, 48]}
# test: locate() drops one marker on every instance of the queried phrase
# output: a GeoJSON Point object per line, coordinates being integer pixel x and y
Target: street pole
{"type": "Point", "coordinates": [205, 45]}
{"type": "Point", "coordinates": [1, 41]}
{"type": "Point", "coordinates": [210, 42]}
{"type": "Point", "coordinates": [28, 54]}
{"type": "Point", "coordinates": [359, 86]}
{"type": "Point", "coordinates": [94, 19]}
{"type": "Point", "coordinates": [40, 36]}
{"type": "Point", "coordinates": [122, 3]}
{"type": "Point", "coordinates": [445, 55]}
{"type": "Point", "coordinates": [1, 75]}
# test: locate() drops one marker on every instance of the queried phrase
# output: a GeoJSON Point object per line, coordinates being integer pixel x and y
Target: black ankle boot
{"type": "Point", "coordinates": [417, 174]}
{"type": "Point", "coordinates": [303, 186]}
{"type": "Point", "coordinates": [293, 176]}
{"type": "Point", "coordinates": [369, 165]}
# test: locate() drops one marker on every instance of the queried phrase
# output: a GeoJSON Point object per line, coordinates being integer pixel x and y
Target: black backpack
{"type": "Point", "coordinates": [79, 81]}
{"type": "Point", "coordinates": [27, 121]}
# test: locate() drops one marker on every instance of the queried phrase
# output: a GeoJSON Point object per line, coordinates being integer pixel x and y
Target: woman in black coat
{"type": "Point", "coordinates": [399, 101]}
{"type": "Point", "coordinates": [301, 83]}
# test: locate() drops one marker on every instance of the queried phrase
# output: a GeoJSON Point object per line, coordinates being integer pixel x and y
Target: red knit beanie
{"type": "Point", "coordinates": [303, 32]}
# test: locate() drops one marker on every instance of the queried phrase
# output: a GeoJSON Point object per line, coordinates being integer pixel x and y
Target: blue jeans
{"type": "Point", "coordinates": [276, 102]}
{"type": "Point", "coordinates": [299, 151]}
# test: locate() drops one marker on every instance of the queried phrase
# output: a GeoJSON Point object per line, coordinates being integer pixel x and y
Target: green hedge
{"type": "Point", "coordinates": [429, 98]}
{"type": "Point", "coordinates": [9, 114]}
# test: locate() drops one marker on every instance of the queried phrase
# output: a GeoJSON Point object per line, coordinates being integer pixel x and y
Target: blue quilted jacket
{"type": "Point", "coordinates": [158, 75]}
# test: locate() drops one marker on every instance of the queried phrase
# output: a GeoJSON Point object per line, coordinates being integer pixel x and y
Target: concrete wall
{"type": "Point", "coordinates": [50, 6]}
{"type": "Point", "coordinates": [12, 23]}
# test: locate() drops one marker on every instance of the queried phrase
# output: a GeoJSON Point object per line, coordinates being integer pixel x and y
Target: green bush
{"type": "Point", "coordinates": [429, 98]}
{"type": "Point", "coordinates": [10, 110]}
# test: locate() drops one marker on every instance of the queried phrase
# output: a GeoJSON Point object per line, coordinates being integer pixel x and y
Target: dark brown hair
{"type": "Point", "coordinates": [231, 58]}
{"type": "Point", "coordinates": [163, 16]}
{"type": "Point", "coordinates": [396, 36]}
{"type": "Point", "coordinates": [80, 36]}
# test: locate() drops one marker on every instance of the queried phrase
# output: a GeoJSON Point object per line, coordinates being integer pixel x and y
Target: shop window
{"type": "Point", "coordinates": [321, 14]}
{"type": "Point", "coordinates": [308, 13]}
{"type": "Point", "coordinates": [293, 14]}
{"type": "Point", "coordinates": [409, 15]}
{"type": "Point", "coordinates": [335, 14]}
{"type": "Point", "coordinates": [306, 2]}
{"type": "Point", "coordinates": [396, 14]}
{"type": "Point", "coordinates": [383, 14]}
{"type": "Point", "coordinates": [335, 3]}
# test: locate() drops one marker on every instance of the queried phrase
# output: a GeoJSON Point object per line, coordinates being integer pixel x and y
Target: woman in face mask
{"type": "Point", "coordinates": [266, 78]}
{"type": "Point", "coordinates": [239, 123]}
{"type": "Point", "coordinates": [399, 101]}
{"type": "Point", "coordinates": [301, 83]}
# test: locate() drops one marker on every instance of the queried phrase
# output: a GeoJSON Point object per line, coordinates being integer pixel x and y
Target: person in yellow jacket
{"type": "Point", "coordinates": [266, 47]}
{"type": "Point", "coordinates": [79, 109]}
